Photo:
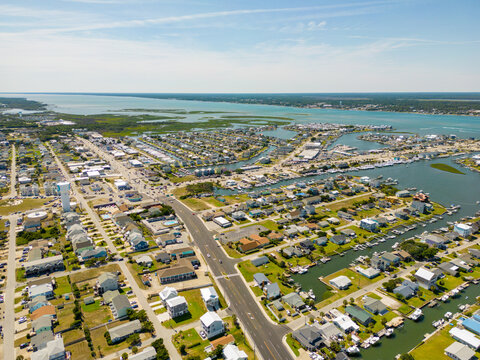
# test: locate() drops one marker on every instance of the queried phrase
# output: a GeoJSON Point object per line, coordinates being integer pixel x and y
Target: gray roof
{"type": "Point", "coordinates": [121, 302]}
{"type": "Point", "coordinates": [309, 336]}
{"type": "Point", "coordinates": [260, 261]}
{"type": "Point", "coordinates": [273, 290]}
{"type": "Point", "coordinates": [147, 353]}
{"type": "Point", "coordinates": [293, 299]}
{"type": "Point", "coordinates": [260, 278]}
{"type": "Point", "coordinates": [124, 330]}
{"type": "Point", "coordinates": [41, 339]}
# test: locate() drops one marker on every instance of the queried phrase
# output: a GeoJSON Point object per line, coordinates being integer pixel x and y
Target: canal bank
{"type": "Point", "coordinates": [412, 333]}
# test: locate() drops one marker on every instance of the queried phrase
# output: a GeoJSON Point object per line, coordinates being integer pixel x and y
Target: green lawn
{"type": "Point", "coordinates": [95, 314]}
{"type": "Point", "coordinates": [195, 204]}
{"type": "Point", "coordinates": [65, 317]}
{"type": "Point", "coordinates": [62, 286]}
{"type": "Point", "coordinates": [196, 309]}
{"type": "Point", "coordinates": [93, 273]}
{"type": "Point", "coordinates": [294, 344]}
{"type": "Point", "coordinates": [433, 348]}
{"type": "Point", "coordinates": [269, 224]}
{"type": "Point", "coordinates": [193, 342]}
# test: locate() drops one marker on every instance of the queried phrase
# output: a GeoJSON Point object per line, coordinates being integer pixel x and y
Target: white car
{"type": "Point", "coordinates": [22, 320]}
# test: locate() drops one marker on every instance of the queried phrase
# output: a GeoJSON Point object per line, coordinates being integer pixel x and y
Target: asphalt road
{"type": "Point", "coordinates": [266, 336]}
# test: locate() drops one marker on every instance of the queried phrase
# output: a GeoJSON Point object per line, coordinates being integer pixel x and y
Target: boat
{"type": "Point", "coordinates": [374, 339]}
{"type": "Point", "coordinates": [389, 332]}
{"type": "Point", "coordinates": [448, 315]}
{"type": "Point", "coordinates": [353, 350]}
{"type": "Point", "coordinates": [438, 323]}
{"type": "Point", "coordinates": [417, 314]}
{"type": "Point", "coordinates": [302, 270]}
{"type": "Point", "coordinates": [462, 307]}
{"type": "Point", "coordinates": [311, 294]}
{"type": "Point", "coordinates": [445, 298]}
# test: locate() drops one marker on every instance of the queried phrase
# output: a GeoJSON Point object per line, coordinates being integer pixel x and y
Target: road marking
{"type": "Point", "coordinates": [226, 276]}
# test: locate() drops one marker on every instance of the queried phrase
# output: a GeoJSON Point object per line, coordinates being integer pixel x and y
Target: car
{"type": "Point", "coordinates": [22, 320]}
{"type": "Point", "coordinates": [134, 306]}
{"type": "Point", "coordinates": [208, 255]}
{"type": "Point", "coordinates": [24, 345]}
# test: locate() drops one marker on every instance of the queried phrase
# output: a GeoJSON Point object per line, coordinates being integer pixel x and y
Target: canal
{"type": "Point", "coordinates": [412, 333]}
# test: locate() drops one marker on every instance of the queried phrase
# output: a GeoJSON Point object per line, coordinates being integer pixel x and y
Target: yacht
{"type": "Point", "coordinates": [417, 314]}
{"type": "Point", "coordinates": [389, 332]}
{"type": "Point", "coordinates": [311, 294]}
{"type": "Point", "coordinates": [448, 315]}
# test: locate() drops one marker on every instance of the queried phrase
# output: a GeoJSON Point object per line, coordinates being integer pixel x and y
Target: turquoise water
{"type": "Point", "coordinates": [353, 141]}
{"type": "Point", "coordinates": [170, 222]}
{"type": "Point", "coordinates": [462, 126]}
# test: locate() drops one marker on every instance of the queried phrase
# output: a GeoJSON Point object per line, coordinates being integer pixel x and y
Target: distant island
{"type": "Point", "coordinates": [447, 168]}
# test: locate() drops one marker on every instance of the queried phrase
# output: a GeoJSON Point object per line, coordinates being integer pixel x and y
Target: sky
{"type": "Point", "coordinates": [239, 46]}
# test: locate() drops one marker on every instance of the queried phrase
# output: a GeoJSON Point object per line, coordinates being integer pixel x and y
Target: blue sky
{"type": "Point", "coordinates": [239, 46]}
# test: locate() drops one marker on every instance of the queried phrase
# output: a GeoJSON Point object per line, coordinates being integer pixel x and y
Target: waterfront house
{"type": "Point", "coordinates": [369, 272]}
{"type": "Point", "coordinates": [341, 282]}
{"type": "Point", "coordinates": [458, 351]}
{"type": "Point", "coordinates": [465, 337]}
{"type": "Point", "coordinates": [369, 224]}
{"type": "Point", "coordinates": [307, 244]}
{"type": "Point", "coordinates": [338, 239]}
{"type": "Point", "coordinates": [329, 332]}
{"type": "Point", "coordinates": [463, 229]}
{"type": "Point", "coordinates": [427, 278]}
{"type": "Point", "coordinates": [374, 306]}
{"type": "Point", "coordinates": [390, 259]}
{"type": "Point", "coordinates": [262, 260]}
{"type": "Point", "coordinates": [448, 268]}
{"type": "Point", "coordinates": [309, 337]}
{"type": "Point", "coordinates": [345, 323]}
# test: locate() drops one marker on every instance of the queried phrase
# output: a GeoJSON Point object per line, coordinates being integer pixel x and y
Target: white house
{"type": "Point", "coordinates": [341, 282]}
{"type": "Point", "coordinates": [176, 306]}
{"type": "Point", "coordinates": [232, 352]}
{"type": "Point", "coordinates": [465, 337]}
{"type": "Point", "coordinates": [369, 224]}
{"type": "Point", "coordinates": [346, 324]}
{"type": "Point", "coordinates": [168, 293]}
{"type": "Point", "coordinates": [426, 278]}
{"type": "Point", "coordinates": [212, 324]}
{"type": "Point", "coordinates": [463, 229]}
{"type": "Point", "coordinates": [210, 297]}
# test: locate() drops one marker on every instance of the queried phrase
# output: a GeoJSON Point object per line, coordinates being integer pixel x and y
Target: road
{"type": "Point", "coordinates": [9, 322]}
{"type": "Point", "coordinates": [159, 329]}
{"type": "Point", "coordinates": [267, 337]}
{"type": "Point", "coordinates": [13, 174]}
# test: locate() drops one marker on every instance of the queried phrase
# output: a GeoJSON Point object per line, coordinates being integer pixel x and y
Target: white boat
{"type": "Point", "coordinates": [311, 294]}
{"type": "Point", "coordinates": [445, 298]}
{"type": "Point", "coordinates": [417, 314]}
{"type": "Point", "coordinates": [389, 332]}
{"type": "Point", "coordinates": [448, 315]}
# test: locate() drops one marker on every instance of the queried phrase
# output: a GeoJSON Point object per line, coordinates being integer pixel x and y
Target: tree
{"type": "Point", "coordinates": [182, 349]}
{"type": "Point", "coordinates": [217, 352]}
{"type": "Point", "coordinates": [135, 349]}
{"type": "Point", "coordinates": [133, 339]}
{"type": "Point", "coordinates": [406, 357]}
{"type": "Point", "coordinates": [124, 356]}
{"type": "Point", "coordinates": [20, 357]}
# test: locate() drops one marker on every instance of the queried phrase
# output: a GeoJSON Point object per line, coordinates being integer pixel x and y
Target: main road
{"type": "Point", "coordinates": [266, 336]}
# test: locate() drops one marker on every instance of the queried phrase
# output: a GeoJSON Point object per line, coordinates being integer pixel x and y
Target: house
{"type": "Point", "coordinates": [378, 263]}
{"type": "Point", "coordinates": [119, 306]}
{"type": "Point", "coordinates": [475, 253]}
{"type": "Point", "coordinates": [374, 306]}
{"type": "Point", "coordinates": [37, 302]}
{"type": "Point", "coordinates": [448, 268]}
{"type": "Point", "coordinates": [123, 331]}
{"type": "Point", "coordinates": [163, 257]}
{"type": "Point", "coordinates": [294, 301]}
{"type": "Point", "coordinates": [309, 337]}
{"type": "Point", "coordinates": [420, 206]}
{"type": "Point", "coordinates": [369, 225]}
{"type": "Point", "coordinates": [369, 272]}
{"type": "Point", "coordinates": [222, 222]}
{"type": "Point", "coordinates": [48, 310]}
{"type": "Point", "coordinates": [390, 259]}
{"type": "Point", "coordinates": [403, 255]}
{"type": "Point", "coordinates": [338, 239]}
{"type": "Point", "coordinates": [437, 241]}
{"type": "Point", "coordinates": [349, 233]}
{"type": "Point", "coordinates": [239, 216]}
{"type": "Point", "coordinates": [462, 229]}
{"type": "Point", "coordinates": [329, 332]}
{"type": "Point", "coordinates": [167, 293]}
{"type": "Point", "coordinates": [53, 350]}
{"type": "Point", "coordinates": [262, 260]}
{"type": "Point", "coordinates": [272, 291]}
{"type": "Point", "coordinates": [232, 352]}
{"type": "Point", "coordinates": [210, 297]}
{"type": "Point", "coordinates": [427, 278]}
{"type": "Point", "coordinates": [43, 323]}
{"type": "Point", "coordinates": [359, 314]}
{"type": "Point", "coordinates": [96, 253]}
{"type": "Point", "coordinates": [307, 244]}
{"type": "Point", "coordinates": [107, 281]}
{"type": "Point", "coordinates": [182, 252]}
{"type": "Point", "coordinates": [144, 260]}
{"type": "Point", "coordinates": [290, 251]}
{"type": "Point", "coordinates": [472, 324]}
{"type": "Point", "coordinates": [43, 266]}
{"type": "Point", "coordinates": [212, 324]}
{"type": "Point", "coordinates": [149, 353]}
{"type": "Point", "coordinates": [465, 337]}
{"type": "Point", "coordinates": [109, 295]}
{"type": "Point", "coordinates": [458, 351]}
{"type": "Point", "coordinates": [407, 289]}
{"type": "Point", "coordinates": [310, 209]}
{"type": "Point", "coordinates": [344, 323]}
{"type": "Point", "coordinates": [176, 306]}
{"type": "Point", "coordinates": [183, 271]}
{"type": "Point", "coordinates": [39, 341]}
{"type": "Point", "coordinates": [260, 279]}
{"type": "Point", "coordinates": [341, 282]}
{"type": "Point", "coordinates": [41, 290]}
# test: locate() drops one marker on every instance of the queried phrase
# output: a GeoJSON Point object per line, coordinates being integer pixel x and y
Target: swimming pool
{"type": "Point", "coordinates": [170, 222]}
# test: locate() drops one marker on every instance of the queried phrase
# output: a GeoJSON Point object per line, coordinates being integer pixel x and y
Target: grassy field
{"type": "Point", "coordinates": [269, 224]}
{"type": "Point", "coordinates": [7, 208]}
{"type": "Point", "coordinates": [447, 168]}
{"type": "Point", "coordinates": [63, 286]}
{"type": "Point", "coordinates": [80, 351]}
{"type": "Point", "coordinates": [193, 342]}
{"type": "Point", "coordinates": [271, 270]}
{"type": "Point", "coordinates": [65, 317]}
{"type": "Point", "coordinates": [196, 308]}
{"type": "Point", "coordinates": [347, 202]}
{"type": "Point", "coordinates": [93, 273]}
{"type": "Point", "coordinates": [434, 347]}
{"type": "Point", "coordinates": [195, 204]}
